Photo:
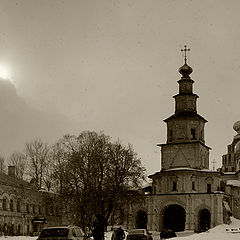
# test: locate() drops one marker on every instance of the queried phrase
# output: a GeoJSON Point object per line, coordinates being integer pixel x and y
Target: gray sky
{"type": "Point", "coordinates": [113, 65]}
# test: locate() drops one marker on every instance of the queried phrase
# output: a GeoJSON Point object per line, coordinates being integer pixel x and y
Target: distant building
{"type": "Point", "coordinates": [186, 194]}
{"type": "Point", "coordinates": [24, 209]}
{"type": "Point", "coordinates": [231, 160]}
{"type": "Point", "coordinates": [231, 172]}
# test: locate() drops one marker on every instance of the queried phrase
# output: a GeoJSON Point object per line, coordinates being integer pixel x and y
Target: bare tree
{"type": "Point", "coordinates": [37, 153]}
{"type": "Point", "coordinates": [18, 159]}
{"type": "Point", "coordinates": [98, 174]}
{"type": "Point", "coordinates": [2, 165]}
{"type": "Point", "coordinates": [60, 153]}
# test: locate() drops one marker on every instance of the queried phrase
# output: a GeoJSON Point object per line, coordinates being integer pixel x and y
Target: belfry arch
{"type": "Point", "coordinates": [174, 217]}
{"type": "Point", "coordinates": [204, 219]}
{"type": "Point", "coordinates": [141, 219]}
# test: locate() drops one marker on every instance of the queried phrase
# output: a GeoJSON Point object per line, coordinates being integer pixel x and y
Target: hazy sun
{"type": "Point", "coordinates": [5, 72]}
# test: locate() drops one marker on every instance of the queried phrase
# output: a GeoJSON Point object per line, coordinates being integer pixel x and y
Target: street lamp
{"type": "Point", "coordinates": [23, 216]}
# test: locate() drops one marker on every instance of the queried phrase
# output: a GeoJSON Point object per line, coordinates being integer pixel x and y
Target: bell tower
{"type": "Point", "coordinates": [185, 146]}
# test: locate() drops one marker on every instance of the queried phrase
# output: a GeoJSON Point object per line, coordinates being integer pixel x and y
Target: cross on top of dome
{"type": "Point", "coordinates": [185, 70]}
{"type": "Point", "coordinates": [185, 50]}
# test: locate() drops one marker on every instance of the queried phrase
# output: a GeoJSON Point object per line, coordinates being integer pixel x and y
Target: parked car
{"type": "Point", "coordinates": [167, 233]}
{"type": "Point", "coordinates": [233, 230]}
{"type": "Point", "coordinates": [62, 233]}
{"type": "Point", "coordinates": [139, 234]}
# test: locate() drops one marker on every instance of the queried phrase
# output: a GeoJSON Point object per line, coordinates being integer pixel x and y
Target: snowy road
{"type": "Point", "coordinates": [217, 233]}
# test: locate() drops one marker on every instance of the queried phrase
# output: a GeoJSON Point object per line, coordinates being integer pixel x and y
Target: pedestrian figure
{"type": "Point", "coordinates": [120, 234]}
{"type": "Point", "coordinates": [114, 234]}
{"type": "Point", "coordinates": [98, 231]}
{"type": "Point", "coordinates": [95, 230]}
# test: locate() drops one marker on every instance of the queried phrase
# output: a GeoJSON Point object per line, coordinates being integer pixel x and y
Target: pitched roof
{"type": "Point", "coordinates": [14, 181]}
{"type": "Point", "coordinates": [186, 115]}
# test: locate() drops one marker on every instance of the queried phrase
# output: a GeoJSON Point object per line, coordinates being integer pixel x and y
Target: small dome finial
{"type": "Point", "coordinates": [185, 70]}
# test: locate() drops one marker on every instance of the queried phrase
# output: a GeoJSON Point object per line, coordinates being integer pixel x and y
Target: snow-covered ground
{"type": "Point", "coordinates": [217, 233]}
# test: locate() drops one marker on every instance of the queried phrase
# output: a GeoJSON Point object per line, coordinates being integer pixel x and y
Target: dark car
{"type": "Point", "coordinates": [62, 233]}
{"type": "Point", "coordinates": [167, 233]}
{"type": "Point", "coordinates": [139, 234]}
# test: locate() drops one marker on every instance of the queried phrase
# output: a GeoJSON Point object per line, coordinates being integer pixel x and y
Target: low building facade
{"type": "Point", "coordinates": [24, 209]}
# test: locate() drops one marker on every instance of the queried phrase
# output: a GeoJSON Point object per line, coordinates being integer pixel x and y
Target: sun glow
{"type": "Point", "coordinates": [5, 73]}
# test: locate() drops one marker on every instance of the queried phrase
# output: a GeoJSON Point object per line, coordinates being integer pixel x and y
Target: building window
{"type": "Point", "coordinates": [39, 210]}
{"type": "Point", "coordinates": [27, 208]}
{"type": "Point", "coordinates": [51, 211]}
{"type": "Point", "coordinates": [171, 136]}
{"type": "Point", "coordinates": [18, 206]}
{"type": "Point", "coordinates": [229, 148]}
{"type": "Point", "coordinates": [193, 186]}
{"type": "Point", "coordinates": [209, 188]}
{"type": "Point", "coordinates": [33, 208]}
{"type": "Point", "coordinates": [19, 230]}
{"type": "Point", "coordinates": [56, 211]}
{"type": "Point", "coordinates": [193, 133]}
{"type": "Point", "coordinates": [174, 186]}
{"type": "Point", "coordinates": [46, 210]}
{"type": "Point", "coordinates": [201, 135]}
{"type": "Point", "coordinates": [11, 205]}
{"type": "Point", "coordinates": [4, 204]}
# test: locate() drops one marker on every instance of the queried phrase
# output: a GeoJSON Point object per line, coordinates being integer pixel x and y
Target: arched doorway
{"type": "Point", "coordinates": [204, 219]}
{"type": "Point", "coordinates": [141, 219]}
{"type": "Point", "coordinates": [174, 218]}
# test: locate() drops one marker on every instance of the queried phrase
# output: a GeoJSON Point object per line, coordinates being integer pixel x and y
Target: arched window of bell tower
{"type": "Point", "coordinates": [170, 136]}
{"type": "Point", "coordinates": [193, 134]}
{"type": "Point", "coordinates": [201, 135]}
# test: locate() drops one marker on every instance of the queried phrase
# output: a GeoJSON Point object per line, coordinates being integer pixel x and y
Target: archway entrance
{"type": "Point", "coordinates": [174, 218]}
{"type": "Point", "coordinates": [204, 220]}
{"type": "Point", "coordinates": [141, 220]}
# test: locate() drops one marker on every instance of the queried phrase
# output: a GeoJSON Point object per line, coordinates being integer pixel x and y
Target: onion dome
{"type": "Point", "coordinates": [185, 70]}
{"type": "Point", "coordinates": [236, 127]}
{"type": "Point", "coordinates": [237, 148]}
{"type": "Point", "coordinates": [236, 138]}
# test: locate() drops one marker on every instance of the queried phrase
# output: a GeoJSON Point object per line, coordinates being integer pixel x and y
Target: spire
{"type": "Point", "coordinates": [185, 70]}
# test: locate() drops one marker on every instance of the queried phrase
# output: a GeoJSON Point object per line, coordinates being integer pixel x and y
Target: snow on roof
{"type": "Point", "coordinates": [230, 173]}
{"type": "Point", "coordinates": [190, 169]}
{"type": "Point", "coordinates": [235, 183]}
{"type": "Point", "coordinates": [146, 185]}
{"type": "Point", "coordinates": [180, 168]}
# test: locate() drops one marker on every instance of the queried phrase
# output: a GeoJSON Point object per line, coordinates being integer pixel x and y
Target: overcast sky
{"type": "Point", "coordinates": [113, 65]}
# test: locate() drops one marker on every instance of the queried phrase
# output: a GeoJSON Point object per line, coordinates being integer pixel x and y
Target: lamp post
{"type": "Point", "coordinates": [23, 232]}
{"type": "Point", "coordinates": [51, 218]}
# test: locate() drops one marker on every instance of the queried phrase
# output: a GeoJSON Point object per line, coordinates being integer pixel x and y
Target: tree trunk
{"type": "Point", "coordinates": [99, 226]}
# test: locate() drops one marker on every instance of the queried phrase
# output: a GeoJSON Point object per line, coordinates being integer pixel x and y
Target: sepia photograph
{"type": "Point", "coordinates": [119, 119]}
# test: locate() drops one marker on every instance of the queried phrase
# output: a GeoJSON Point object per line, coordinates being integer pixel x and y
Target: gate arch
{"type": "Point", "coordinates": [141, 219]}
{"type": "Point", "coordinates": [204, 219]}
{"type": "Point", "coordinates": [174, 217]}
